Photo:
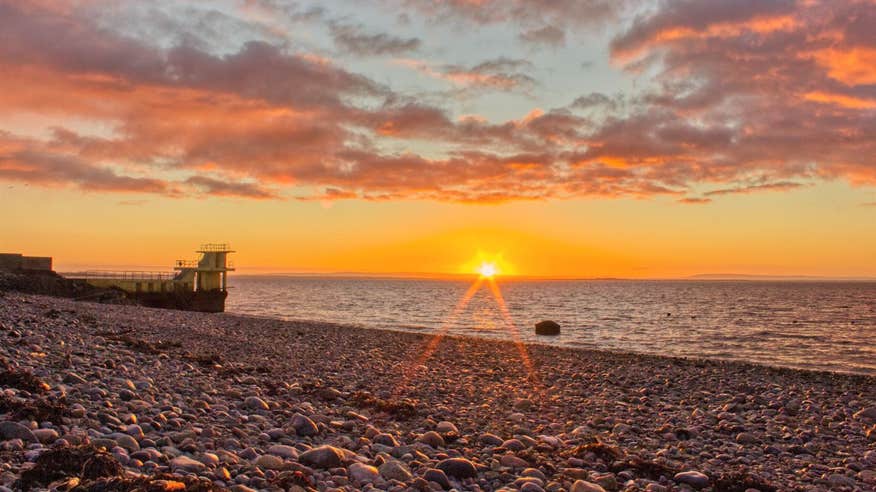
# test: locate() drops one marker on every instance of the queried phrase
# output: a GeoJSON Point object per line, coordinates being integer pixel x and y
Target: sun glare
{"type": "Point", "coordinates": [487, 270]}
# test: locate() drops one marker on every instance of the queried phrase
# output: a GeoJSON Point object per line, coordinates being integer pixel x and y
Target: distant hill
{"type": "Point", "coordinates": [744, 276]}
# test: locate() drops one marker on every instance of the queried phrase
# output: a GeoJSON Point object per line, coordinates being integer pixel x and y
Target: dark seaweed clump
{"type": "Point", "coordinates": [84, 462]}
{"type": "Point", "coordinates": [38, 409]}
{"type": "Point", "coordinates": [22, 380]}
{"type": "Point", "coordinates": [402, 409]}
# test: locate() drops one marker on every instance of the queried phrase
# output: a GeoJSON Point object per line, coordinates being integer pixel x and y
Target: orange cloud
{"type": "Point", "coordinates": [841, 100]}
{"type": "Point", "coordinates": [853, 66]}
{"type": "Point", "coordinates": [740, 104]}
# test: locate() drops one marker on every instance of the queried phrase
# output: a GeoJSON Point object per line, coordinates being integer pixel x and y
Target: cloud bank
{"type": "Point", "coordinates": [743, 98]}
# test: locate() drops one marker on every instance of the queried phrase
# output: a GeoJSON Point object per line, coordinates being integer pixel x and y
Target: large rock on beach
{"type": "Point", "coordinates": [385, 439]}
{"type": "Point", "coordinates": [867, 414]}
{"type": "Point", "coordinates": [270, 462]}
{"type": "Point", "coordinates": [458, 467]}
{"type": "Point", "coordinates": [304, 426]}
{"type": "Point", "coordinates": [362, 473]}
{"type": "Point", "coordinates": [187, 464]}
{"type": "Point", "coordinates": [695, 479]}
{"type": "Point", "coordinates": [322, 457]}
{"type": "Point", "coordinates": [437, 476]}
{"type": "Point", "coordinates": [547, 327]}
{"type": "Point", "coordinates": [395, 470]}
{"type": "Point", "coordinates": [446, 427]}
{"type": "Point", "coordinates": [491, 439]}
{"type": "Point", "coordinates": [255, 403]}
{"type": "Point", "coordinates": [46, 436]}
{"type": "Point", "coordinates": [583, 486]}
{"type": "Point", "coordinates": [432, 439]}
{"type": "Point", "coordinates": [13, 430]}
{"type": "Point", "coordinates": [283, 451]}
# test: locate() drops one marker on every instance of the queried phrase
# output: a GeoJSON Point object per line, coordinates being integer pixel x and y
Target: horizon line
{"type": "Point", "coordinates": [269, 271]}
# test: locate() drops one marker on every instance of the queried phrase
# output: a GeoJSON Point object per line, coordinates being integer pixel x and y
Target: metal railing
{"type": "Point", "coordinates": [186, 264]}
{"type": "Point", "coordinates": [120, 275]}
{"type": "Point", "coordinates": [215, 248]}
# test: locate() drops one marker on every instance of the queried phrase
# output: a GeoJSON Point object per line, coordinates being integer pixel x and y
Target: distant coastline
{"type": "Point", "coordinates": [464, 276]}
{"type": "Point", "coordinates": [766, 278]}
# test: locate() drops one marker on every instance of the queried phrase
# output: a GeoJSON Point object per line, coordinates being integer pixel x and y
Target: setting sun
{"type": "Point", "coordinates": [487, 270]}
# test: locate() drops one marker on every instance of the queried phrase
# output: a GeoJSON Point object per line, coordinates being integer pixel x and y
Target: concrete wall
{"type": "Point", "coordinates": [10, 261]}
{"type": "Point", "coordinates": [139, 285]}
{"type": "Point", "coordinates": [15, 261]}
{"type": "Point", "coordinates": [36, 263]}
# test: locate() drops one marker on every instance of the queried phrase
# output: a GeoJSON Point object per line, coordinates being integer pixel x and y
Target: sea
{"type": "Point", "coordinates": [800, 324]}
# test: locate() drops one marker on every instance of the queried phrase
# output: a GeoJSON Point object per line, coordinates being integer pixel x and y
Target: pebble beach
{"type": "Point", "coordinates": [118, 397]}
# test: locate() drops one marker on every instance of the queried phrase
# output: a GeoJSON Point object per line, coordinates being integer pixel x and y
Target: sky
{"type": "Point", "coordinates": [557, 138]}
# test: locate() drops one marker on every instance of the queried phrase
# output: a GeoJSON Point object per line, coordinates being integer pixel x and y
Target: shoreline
{"type": "Point", "coordinates": [427, 332]}
{"type": "Point", "coordinates": [248, 402]}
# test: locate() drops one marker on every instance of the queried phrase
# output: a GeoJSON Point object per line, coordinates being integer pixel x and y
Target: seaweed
{"type": "Point", "coordinates": [39, 409]}
{"type": "Point", "coordinates": [204, 360]}
{"type": "Point", "coordinates": [155, 483]}
{"type": "Point", "coordinates": [289, 479]}
{"type": "Point", "coordinates": [236, 370]}
{"type": "Point", "coordinates": [604, 452]}
{"type": "Point", "coordinates": [645, 468]}
{"type": "Point", "coordinates": [85, 462]}
{"type": "Point", "coordinates": [401, 409]}
{"type": "Point", "coordinates": [740, 481]}
{"type": "Point", "coordinates": [22, 380]}
{"type": "Point", "coordinates": [143, 346]}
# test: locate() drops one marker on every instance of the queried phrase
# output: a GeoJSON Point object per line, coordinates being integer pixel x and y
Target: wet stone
{"type": "Point", "coordinates": [362, 473]}
{"type": "Point", "coordinates": [437, 476]}
{"type": "Point", "coordinates": [322, 457]}
{"type": "Point", "coordinates": [283, 451]}
{"type": "Point", "coordinates": [270, 462]}
{"type": "Point", "coordinates": [187, 464]}
{"type": "Point", "coordinates": [394, 470]}
{"type": "Point", "coordinates": [458, 467]}
{"type": "Point", "coordinates": [584, 486]}
{"type": "Point", "coordinates": [255, 403]}
{"type": "Point", "coordinates": [13, 430]}
{"type": "Point", "coordinates": [693, 478]}
{"type": "Point", "coordinates": [304, 426]}
{"type": "Point", "coordinates": [46, 436]}
{"type": "Point", "coordinates": [432, 438]}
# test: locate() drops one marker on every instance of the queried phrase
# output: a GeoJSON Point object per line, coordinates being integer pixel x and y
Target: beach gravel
{"type": "Point", "coordinates": [117, 397]}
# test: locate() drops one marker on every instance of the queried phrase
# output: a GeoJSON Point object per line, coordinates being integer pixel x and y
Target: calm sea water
{"type": "Point", "coordinates": [812, 325]}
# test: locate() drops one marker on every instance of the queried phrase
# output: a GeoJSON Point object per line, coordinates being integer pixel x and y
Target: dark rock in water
{"type": "Point", "coordinates": [547, 327]}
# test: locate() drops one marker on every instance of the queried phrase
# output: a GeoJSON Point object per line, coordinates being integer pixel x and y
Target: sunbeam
{"type": "Point", "coordinates": [430, 348]}
{"type": "Point", "coordinates": [512, 328]}
{"type": "Point", "coordinates": [410, 371]}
